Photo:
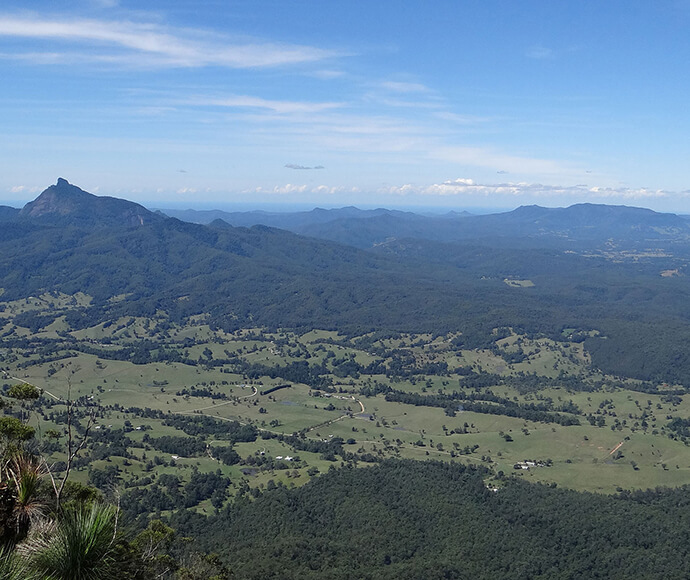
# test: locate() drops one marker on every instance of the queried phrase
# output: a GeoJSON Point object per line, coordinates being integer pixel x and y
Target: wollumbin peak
{"type": "Point", "coordinates": [68, 204]}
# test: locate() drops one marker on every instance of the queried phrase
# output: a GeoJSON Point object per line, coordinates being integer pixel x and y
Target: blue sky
{"type": "Point", "coordinates": [389, 103]}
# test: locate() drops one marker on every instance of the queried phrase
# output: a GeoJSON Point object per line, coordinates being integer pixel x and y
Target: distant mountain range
{"type": "Point", "coordinates": [535, 226]}
{"type": "Point", "coordinates": [283, 220]}
{"type": "Point", "coordinates": [391, 271]}
{"type": "Point", "coordinates": [528, 226]}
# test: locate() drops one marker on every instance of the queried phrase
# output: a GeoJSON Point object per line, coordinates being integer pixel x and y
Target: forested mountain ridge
{"type": "Point", "coordinates": [292, 221]}
{"type": "Point", "coordinates": [571, 227]}
{"type": "Point", "coordinates": [8, 213]}
{"type": "Point", "coordinates": [273, 278]}
{"type": "Point", "coordinates": [575, 227]}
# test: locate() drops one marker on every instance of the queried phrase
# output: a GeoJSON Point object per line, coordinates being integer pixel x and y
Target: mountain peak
{"type": "Point", "coordinates": [66, 203]}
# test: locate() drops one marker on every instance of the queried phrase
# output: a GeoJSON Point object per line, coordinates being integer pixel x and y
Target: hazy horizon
{"type": "Point", "coordinates": [285, 206]}
{"type": "Point", "coordinates": [491, 104]}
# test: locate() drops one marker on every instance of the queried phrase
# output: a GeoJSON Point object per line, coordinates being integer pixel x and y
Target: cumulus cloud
{"type": "Point", "coordinates": [291, 188]}
{"type": "Point", "coordinates": [288, 188]}
{"type": "Point", "coordinates": [331, 190]}
{"type": "Point", "coordinates": [151, 45]}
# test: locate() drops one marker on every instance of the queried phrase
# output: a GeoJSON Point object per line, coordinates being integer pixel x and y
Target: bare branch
{"type": "Point", "coordinates": [72, 451]}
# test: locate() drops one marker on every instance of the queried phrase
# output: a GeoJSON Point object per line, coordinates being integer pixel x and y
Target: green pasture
{"type": "Point", "coordinates": [581, 456]}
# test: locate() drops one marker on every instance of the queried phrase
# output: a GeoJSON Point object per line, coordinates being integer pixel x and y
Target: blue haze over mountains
{"type": "Point", "coordinates": [534, 226]}
{"type": "Point", "coordinates": [618, 274]}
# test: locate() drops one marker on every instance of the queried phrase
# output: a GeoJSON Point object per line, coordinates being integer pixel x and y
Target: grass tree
{"type": "Point", "coordinates": [82, 546]}
{"type": "Point", "coordinates": [12, 567]}
{"type": "Point", "coordinates": [24, 472]}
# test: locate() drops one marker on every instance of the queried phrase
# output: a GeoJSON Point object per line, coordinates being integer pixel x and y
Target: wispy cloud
{"type": "Point", "coordinates": [293, 166]}
{"type": "Point", "coordinates": [24, 189]}
{"type": "Point", "coordinates": [402, 94]}
{"type": "Point", "coordinates": [402, 87]}
{"type": "Point", "coordinates": [327, 74]}
{"type": "Point", "coordinates": [106, 3]}
{"type": "Point", "coordinates": [152, 44]}
{"type": "Point", "coordinates": [540, 52]}
{"type": "Point", "coordinates": [460, 119]}
{"type": "Point", "coordinates": [249, 102]}
{"type": "Point", "coordinates": [426, 104]}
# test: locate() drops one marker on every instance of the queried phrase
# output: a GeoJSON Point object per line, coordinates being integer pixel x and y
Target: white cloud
{"type": "Point", "coordinates": [153, 45]}
{"type": "Point", "coordinates": [332, 190]}
{"type": "Point", "coordinates": [291, 188]}
{"type": "Point", "coordinates": [402, 94]}
{"type": "Point", "coordinates": [468, 188]}
{"type": "Point", "coordinates": [539, 52]}
{"type": "Point", "coordinates": [288, 188]}
{"type": "Point", "coordinates": [245, 101]}
{"type": "Point", "coordinates": [106, 3]}
{"type": "Point", "coordinates": [402, 190]}
{"type": "Point", "coordinates": [460, 119]}
{"type": "Point", "coordinates": [327, 74]}
{"type": "Point", "coordinates": [401, 87]}
{"type": "Point", "coordinates": [25, 189]}
{"type": "Point", "coordinates": [388, 102]}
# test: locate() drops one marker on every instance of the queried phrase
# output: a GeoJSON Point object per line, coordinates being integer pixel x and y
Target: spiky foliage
{"type": "Point", "coordinates": [26, 472]}
{"type": "Point", "coordinates": [82, 546]}
{"type": "Point", "coordinates": [20, 478]}
{"type": "Point", "coordinates": [12, 567]}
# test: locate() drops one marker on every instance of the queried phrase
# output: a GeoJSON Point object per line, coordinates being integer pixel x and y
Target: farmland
{"type": "Point", "coordinates": [342, 400]}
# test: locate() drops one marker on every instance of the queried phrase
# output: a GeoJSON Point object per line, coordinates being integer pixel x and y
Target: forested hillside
{"type": "Point", "coordinates": [430, 520]}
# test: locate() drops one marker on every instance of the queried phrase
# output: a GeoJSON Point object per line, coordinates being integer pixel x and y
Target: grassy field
{"type": "Point", "coordinates": [631, 448]}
